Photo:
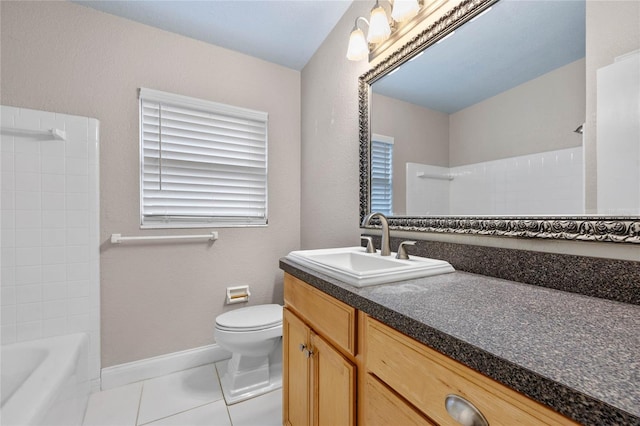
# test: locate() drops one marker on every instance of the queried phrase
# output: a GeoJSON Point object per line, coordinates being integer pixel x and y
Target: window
{"type": "Point", "coordinates": [202, 163]}
{"type": "Point", "coordinates": [382, 174]}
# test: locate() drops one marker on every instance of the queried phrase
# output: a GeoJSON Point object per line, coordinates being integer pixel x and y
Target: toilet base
{"type": "Point", "coordinates": [241, 384]}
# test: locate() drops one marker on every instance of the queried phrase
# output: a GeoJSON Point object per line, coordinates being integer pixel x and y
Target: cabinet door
{"type": "Point", "coordinates": [426, 378]}
{"type": "Point", "coordinates": [384, 407]}
{"type": "Point", "coordinates": [334, 385]}
{"type": "Point", "coordinates": [296, 372]}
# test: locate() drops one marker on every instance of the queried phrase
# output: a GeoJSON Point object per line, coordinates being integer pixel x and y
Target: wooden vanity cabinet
{"type": "Point", "coordinates": [319, 377]}
{"type": "Point", "coordinates": [397, 381]}
{"type": "Point", "coordinates": [421, 379]}
{"type": "Point", "coordinates": [380, 405]}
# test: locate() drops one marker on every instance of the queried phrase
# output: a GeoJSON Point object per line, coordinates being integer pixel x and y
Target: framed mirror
{"type": "Point", "coordinates": [488, 122]}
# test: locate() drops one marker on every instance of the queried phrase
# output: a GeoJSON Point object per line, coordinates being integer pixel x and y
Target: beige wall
{"type": "Point", "coordinates": [329, 214]}
{"type": "Point", "coordinates": [156, 298]}
{"type": "Point", "coordinates": [613, 29]}
{"type": "Point", "coordinates": [421, 135]}
{"type": "Point", "coordinates": [537, 116]}
{"type": "Point", "coordinates": [329, 176]}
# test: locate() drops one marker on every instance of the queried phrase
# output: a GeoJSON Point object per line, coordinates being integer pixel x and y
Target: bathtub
{"type": "Point", "coordinates": [45, 382]}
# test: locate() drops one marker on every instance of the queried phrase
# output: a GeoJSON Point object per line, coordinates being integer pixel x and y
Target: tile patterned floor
{"type": "Point", "coordinates": [188, 398]}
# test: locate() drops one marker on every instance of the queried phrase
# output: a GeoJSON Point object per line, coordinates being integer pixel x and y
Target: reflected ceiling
{"type": "Point", "coordinates": [448, 80]}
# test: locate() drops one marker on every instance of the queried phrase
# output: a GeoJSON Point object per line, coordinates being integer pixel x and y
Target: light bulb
{"type": "Point", "coordinates": [404, 9]}
{"type": "Point", "coordinates": [379, 29]}
{"type": "Point", "coordinates": [358, 48]}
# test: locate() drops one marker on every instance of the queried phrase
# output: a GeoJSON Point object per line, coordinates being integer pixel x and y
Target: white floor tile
{"type": "Point", "coordinates": [178, 392]}
{"type": "Point", "coordinates": [264, 410]}
{"type": "Point", "coordinates": [214, 414]}
{"type": "Point", "coordinates": [118, 406]}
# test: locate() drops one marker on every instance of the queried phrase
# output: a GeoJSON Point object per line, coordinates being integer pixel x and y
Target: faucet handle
{"type": "Point", "coordinates": [370, 247]}
{"type": "Point", "coordinates": [402, 251]}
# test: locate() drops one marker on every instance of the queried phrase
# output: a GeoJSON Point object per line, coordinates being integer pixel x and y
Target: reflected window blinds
{"type": "Point", "coordinates": [381, 175]}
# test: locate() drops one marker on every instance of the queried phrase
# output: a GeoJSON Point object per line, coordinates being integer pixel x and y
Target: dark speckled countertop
{"type": "Point", "coordinates": [577, 354]}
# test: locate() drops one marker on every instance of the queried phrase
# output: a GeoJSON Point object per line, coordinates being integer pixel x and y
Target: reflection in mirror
{"type": "Point", "coordinates": [493, 119]}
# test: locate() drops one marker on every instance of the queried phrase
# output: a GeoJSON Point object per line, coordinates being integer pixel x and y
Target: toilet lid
{"type": "Point", "coordinates": [251, 318]}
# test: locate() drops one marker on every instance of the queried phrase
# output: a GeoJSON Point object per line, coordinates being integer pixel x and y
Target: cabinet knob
{"type": "Point", "coordinates": [307, 352]}
{"type": "Point", "coordinates": [464, 412]}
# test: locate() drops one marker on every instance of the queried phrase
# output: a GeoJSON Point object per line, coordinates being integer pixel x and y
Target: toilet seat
{"type": "Point", "coordinates": [251, 318]}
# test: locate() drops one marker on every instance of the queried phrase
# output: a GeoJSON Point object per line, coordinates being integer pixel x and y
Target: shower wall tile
{"type": "Point", "coordinates": [8, 257]}
{"type": "Point", "coordinates": [547, 183]}
{"type": "Point", "coordinates": [8, 315]}
{"type": "Point", "coordinates": [54, 327]}
{"type": "Point", "coordinates": [55, 273]}
{"type": "Point", "coordinates": [30, 256]}
{"type": "Point", "coordinates": [54, 237]}
{"type": "Point", "coordinates": [26, 237]}
{"type": "Point", "coordinates": [8, 295]}
{"type": "Point", "coordinates": [8, 276]}
{"type": "Point", "coordinates": [29, 293]}
{"type": "Point", "coordinates": [50, 229]}
{"type": "Point", "coordinates": [28, 330]}
{"type": "Point", "coordinates": [8, 333]}
{"type": "Point", "coordinates": [54, 291]}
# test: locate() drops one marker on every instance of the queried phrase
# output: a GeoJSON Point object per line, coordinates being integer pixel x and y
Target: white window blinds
{"type": "Point", "coordinates": [381, 174]}
{"type": "Point", "coordinates": [203, 163]}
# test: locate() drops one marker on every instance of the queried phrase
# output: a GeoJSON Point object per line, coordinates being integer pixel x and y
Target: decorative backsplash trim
{"type": "Point", "coordinates": [577, 228]}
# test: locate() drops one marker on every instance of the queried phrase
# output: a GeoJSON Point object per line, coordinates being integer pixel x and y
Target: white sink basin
{"type": "Point", "coordinates": [355, 266]}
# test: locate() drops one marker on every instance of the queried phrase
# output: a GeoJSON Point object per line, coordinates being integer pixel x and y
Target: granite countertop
{"type": "Point", "coordinates": [577, 354]}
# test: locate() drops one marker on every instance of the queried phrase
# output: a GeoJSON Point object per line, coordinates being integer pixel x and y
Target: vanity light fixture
{"type": "Point", "coordinates": [358, 48]}
{"type": "Point", "coordinates": [404, 10]}
{"type": "Point", "coordinates": [379, 27]}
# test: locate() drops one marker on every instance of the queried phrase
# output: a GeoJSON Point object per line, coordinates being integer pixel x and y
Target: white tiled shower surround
{"type": "Point", "coordinates": [547, 183]}
{"type": "Point", "coordinates": [50, 229]}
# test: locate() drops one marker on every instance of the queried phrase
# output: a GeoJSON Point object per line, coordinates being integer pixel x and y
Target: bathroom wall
{"type": "Point", "coordinates": [157, 298]}
{"type": "Point", "coordinates": [49, 238]}
{"type": "Point", "coordinates": [420, 135]}
{"type": "Point", "coordinates": [330, 213]}
{"type": "Point", "coordinates": [537, 116]}
{"type": "Point", "coordinates": [329, 145]}
{"type": "Point", "coordinates": [329, 142]}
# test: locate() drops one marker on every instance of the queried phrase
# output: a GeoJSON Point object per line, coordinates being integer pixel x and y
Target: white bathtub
{"type": "Point", "coordinates": [45, 382]}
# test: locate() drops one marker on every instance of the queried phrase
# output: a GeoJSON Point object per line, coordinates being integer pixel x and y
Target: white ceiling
{"type": "Point", "coordinates": [286, 32]}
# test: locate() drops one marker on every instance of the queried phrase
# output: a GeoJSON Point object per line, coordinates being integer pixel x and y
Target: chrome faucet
{"type": "Point", "coordinates": [385, 250]}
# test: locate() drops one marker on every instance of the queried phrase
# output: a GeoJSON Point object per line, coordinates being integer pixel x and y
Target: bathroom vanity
{"type": "Point", "coordinates": [401, 353]}
{"type": "Point", "coordinates": [319, 365]}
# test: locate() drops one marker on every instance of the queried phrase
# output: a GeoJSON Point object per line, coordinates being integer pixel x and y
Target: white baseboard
{"type": "Point", "coordinates": [135, 371]}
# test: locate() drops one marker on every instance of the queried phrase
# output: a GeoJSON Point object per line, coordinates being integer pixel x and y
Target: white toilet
{"type": "Point", "coordinates": [253, 335]}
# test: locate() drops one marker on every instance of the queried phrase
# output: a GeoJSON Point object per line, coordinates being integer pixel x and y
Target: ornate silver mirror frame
{"type": "Point", "coordinates": [581, 228]}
